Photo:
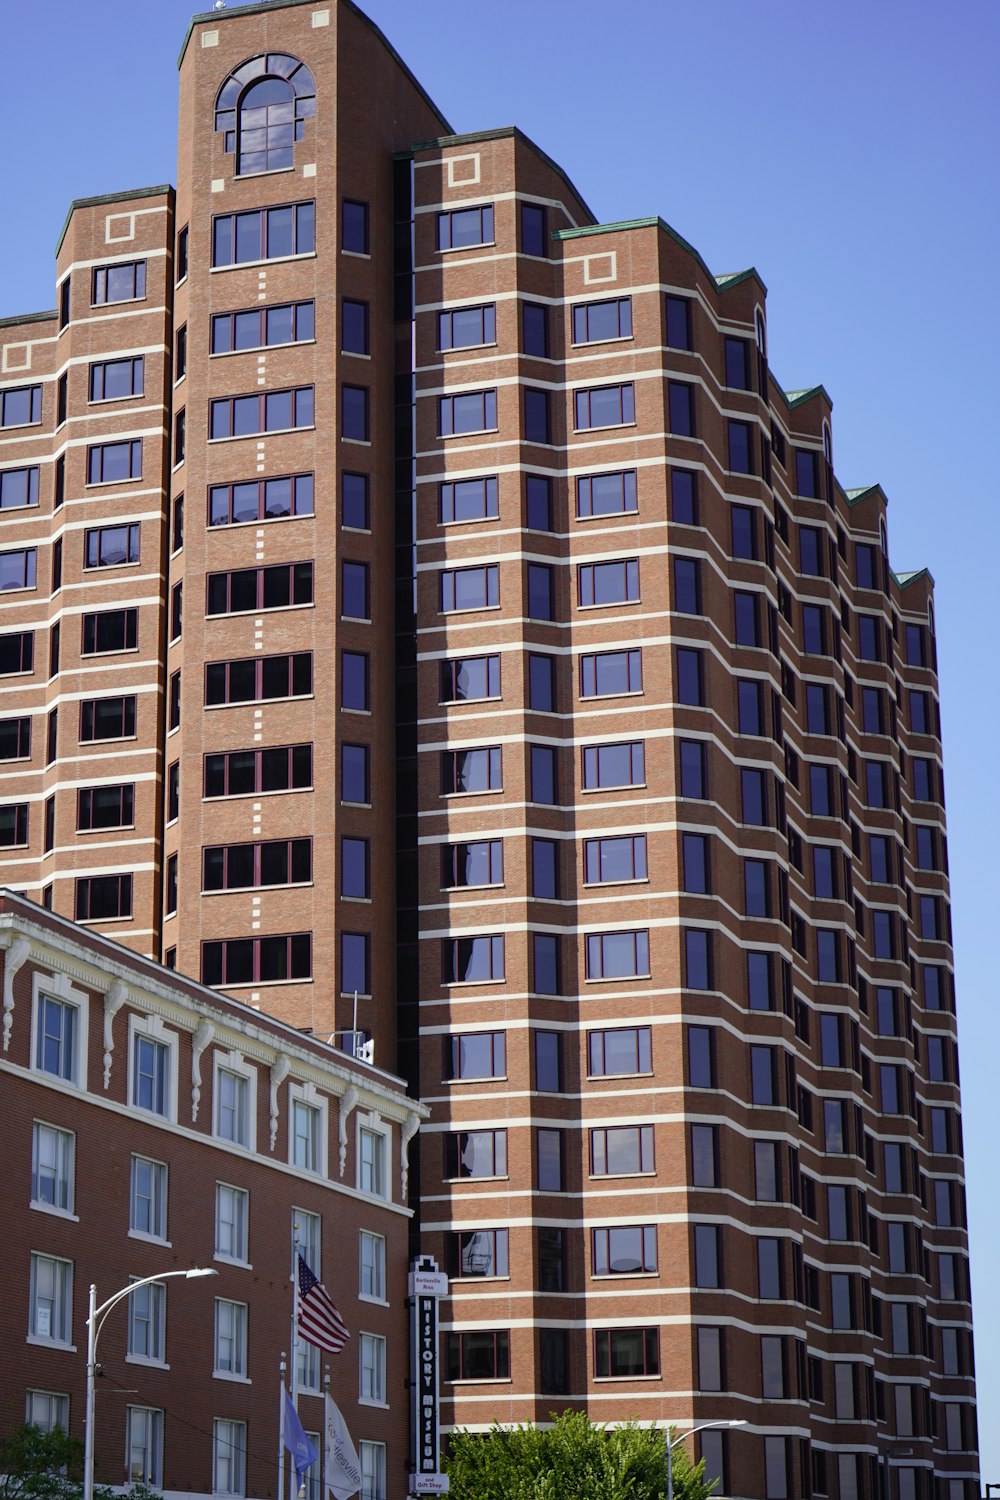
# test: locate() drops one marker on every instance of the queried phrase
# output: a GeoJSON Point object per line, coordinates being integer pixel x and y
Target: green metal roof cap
{"type": "Point", "coordinates": [48, 316]}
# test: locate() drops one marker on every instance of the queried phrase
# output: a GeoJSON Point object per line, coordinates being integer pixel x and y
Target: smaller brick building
{"type": "Point", "coordinates": [154, 1125]}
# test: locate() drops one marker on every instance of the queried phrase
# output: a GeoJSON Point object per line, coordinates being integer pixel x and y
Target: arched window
{"type": "Point", "coordinates": [930, 616]}
{"type": "Point", "coordinates": [761, 353]}
{"type": "Point", "coordinates": [883, 537]}
{"type": "Point", "coordinates": [262, 108]}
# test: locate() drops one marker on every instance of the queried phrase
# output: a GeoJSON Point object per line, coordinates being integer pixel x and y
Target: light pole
{"type": "Point", "coordinates": [93, 1331]}
{"type": "Point", "coordinates": [676, 1442]}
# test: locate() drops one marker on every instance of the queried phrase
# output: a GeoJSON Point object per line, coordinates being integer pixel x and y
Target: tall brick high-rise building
{"type": "Point", "coordinates": [418, 591]}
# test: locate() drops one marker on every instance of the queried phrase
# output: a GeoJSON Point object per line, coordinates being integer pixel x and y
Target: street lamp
{"type": "Point", "coordinates": [93, 1332]}
{"type": "Point", "coordinates": [671, 1445]}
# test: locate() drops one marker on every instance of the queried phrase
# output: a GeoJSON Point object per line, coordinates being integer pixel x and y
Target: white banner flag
{"type": "Point", "coordinates": [343, 1467]}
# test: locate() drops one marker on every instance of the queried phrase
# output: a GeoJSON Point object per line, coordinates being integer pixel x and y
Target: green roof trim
{"type": "Point", "coordinates": [499, 133]}
{"type": "Point", "coordinates": [660, 223]}
{"type": "Point", "coordinates": [262, 6]}
{"type": "Point", "coordinates": [796, 398]}
{"type": "Point", "coordinates": [855, 496]}
{"type": "Point", "coordinates": [733, 278]}
{"type": "Point", "coordinates": [145, 192]}
{"type": "Point", "coordinates": [48, 316]}
{"type": "Point", "coordinates": [905, 579]}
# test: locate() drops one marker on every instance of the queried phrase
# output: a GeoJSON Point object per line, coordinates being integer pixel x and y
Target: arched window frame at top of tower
{"type": "Point", "coordinates": [262, 108]}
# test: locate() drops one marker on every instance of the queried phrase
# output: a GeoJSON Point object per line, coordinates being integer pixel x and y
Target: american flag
{"type": "Point", "coordinates": [319, 1321]}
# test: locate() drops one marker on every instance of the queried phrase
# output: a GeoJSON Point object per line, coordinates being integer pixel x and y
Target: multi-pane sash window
{"type": "Point", "coordinates": [57, 1038]}
{"type": "Point", "coordinates": [621, 1150]}
{"type": "Point", "coordinates": [372, 1368]}
{"type": "Point", "coordinates": [373, 1480]}
{"type": "Point", "coordinates": [472, 960]}
{"type": "Point", "coordinates": [469, 500]}
{"type": "Point", "coordinates": [470, 588]}
{"type": "Point", "coordinates": [473, 864]}
{"type": "Point", "coordinates": [624, 1353]}
{"type": "Point", "coordinates": [46, 1410]}
{"type": "Point", "coordinates": [479, 1355]}
{"type": "Point", "coordinates": [21, 407]}
{"type": "Point", "coordinates": [230, 1338]}
{"type": "Point", "coordinates": [53, 1153]}
{"type": "Point", "coordinates": [110, 630]}
{"type": "Point", "coordinates": [620, 1052]}
{"type": "Point", "coordinates": [476, 1153]}
{"type": "Point", "coordinates": [148, 1198]}
{"type": "Point", "coordinates": [151, 1080]}
{"type": "Point", "coordinates": [122, 283]}
{"type": "Point", "coordinates": [228, 867]}
{"type": "Point", "coordinates": [13, 825]}
{"type": "Point", "coordinates": [270, 411]}
{"type": "Point", "coordinates": [232, 1107]}
{"type": "Point", "coordinates": [245, 590]}
{"type": "Point", "coordinates": [607, 494]}
{"type": "Point", "coordinates": [105, 807]}
{"type": "Point", "coordinates": [263, 960]}
{"type": "Point", "coordinates": [51, 1299]}
{"type": "Point", "coordinates": [231, 1213]}
{"type": "Point", "coordinates": [479, 770]}
{"type": "Point", "coordinates": [116, 379]}
{"type": "Point", "coordinates": [461, 228]}
{"type": "Point", "coordinates": [111, 463]}
{"type": "Point", "coordinates": [147, 1322]}
{"type": "Point", "coordinates": [603, 406]}
{"type": "Point", "coordinates": [260, 327]}
{"type": "Point", "coordinates": [240, 773]}
{"type": "Point", "coordinates": [256, 679]}
{"type": "Point", "coordinates": [617, 955]}
{"type": "Point", "coordinates": [229, 1451]}
{"type": "Point", "coordinates": [594, 322]}
{"type": "Point", "coordinates": [372, 1176]}
{"type": "Point", "coordinates": [101, 898]}
{"type": "Point", "coordinates": [476, 1054]}
{"type": "Point", "coordinates": [18, 568]}
{"type": "Point", "coordinates": [626, 1251]}
{"type": "Point", "coordinates": [606, 766]}
{"type": "Point", "coordinates": [260, 500]}
{"type": "Point", "coordinates": [469, 678]}
{"type": "Point", "coordinates": [479, 1252]}
{"type": "Point", "coordinates": [144, 1446]}
{"type": "Point", "coordinates": [110, 546]}
{"type": "Point", "coordinates": [305, 1136]}
{"type": "Point", "coordinates": [372, 1265]}
{"type": "Point", "coordinates": [609, 673]}
{"type": "Point", "coordinates": [18, 487]}
{"type": "Point", "coordinates": [467, 327]}
{"type": "Point", "coordinates": [615, 859]}
{"type": "Point", "coordinates": [608, 582]}
{"type": "Point", "coordinates": [264, 234]}
{"type": "Point", "coordinates": [472, 411]}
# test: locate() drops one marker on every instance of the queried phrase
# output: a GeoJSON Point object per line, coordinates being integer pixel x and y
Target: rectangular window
{"type": "Point", "coordinates": [462, 228]}
{"type": "Point", "coordinates": [610, 766]}
{"type": "Point", "coordinates": [541, 683]}
{"type": "Point", "coordinates": [679, 323]}
{"type": "Point", "coordinates": [264, 234]}
{"type": "Point", "coordinates": [469, 500]}
{"type": "Point", "coordinates": [534, 329]}
{"type": "Point", "coordinates": [229, 1456]}
{"type": "Point", "coordinates": [51, 1299]}
{"type": "Point", "coordinates": [113, 463]}
{"type": "Point", "coordinates": [269, 411]}
{"type": "Point", "coordinates": [103, 898]}
{"type": "Point", "coordinates": [110, 546]}
{"type": "Point", "coordinates": [144, 1445]}
{"type": "Point", "coordinates": [354, 227]}
{"type": "Point", "coordinates": [612, 860]}
{"type": "Point", "coordinates": [740, 448]}
{"type": "Point", "coordinates": [105, 807]}
{"type": "Point", "coordinates": [625, 1251]}
{"type": "Point", "coordinates": [18, 487]}
{"type": "Point", "coordinates": [701, 1057]}
{"type": "Point", "coordinates": [608, 582]}
{"type": "Point", "coordinates": [476, 1153]}
{"type": "Point", "coordinates": [474, 1055]}
{"type": "Point", "coordinates": [232, 1206]}
{"type": "Point", "coordinates": [372, 1162]}
{"type": "Point", "coordinates": [262, 327]}
{"type": "Point", "coordinates": [479, 863]}
{"type": "Point", "coordinates": [472, 960]}
{"type": "Point", "coordinates": [479, 1252]}
{"type": "Point", "coordinates": [540, 602]}
{"type": "Point", "coordinates": [18, 569]}
{"type": "Point", "coordinates": [537, 502]}
{"type": "Point", "coordinates": [617, 955]}
{"type": "Point", "coordinates": [125, 282]}
{"type": "Point", "coordinates": [626, 1353]}
{"type": "Point", "coordinates": [807, 473]}
{"type": "Point", "coordinates": [596, 322]}
{"type": "Point", "coordinates": [466, 327]}
{"type": "Point", "coordinates": [620, 1053]}
{"type": "Point", "coordinates": [610, 673]}
{"type": "Point", "coordinates": [737, 364]}
{"type": "Point", "coordinates": [697, 958]}
{"type": "Point", "coordinates": [477, 1356]}
{"type": "Point", "coordinates": [247, 590]}
{"type": "Point", "coordinates": [607, 494]}
{"type": "Point", "coordinates": [372, 1266]}
{"type": "Point", "coordinates": [14, 825]}
{"type": "Point", "coordinates": [263, 960]}
{"type": "Point", "coordinates": [53, 1156]}
{"type": "Point", "coordinates": [230, 1338]}
{"type": "Point", "coordinates": [689, 678]}
{"type": "Point", "coordinates": [355, 512]}
{"type": "Point", "coordinates": [473, 411]}
{"type": "Point", "coordinates": [680, 406]}
{"type": "Point", "coordinates": [147, 1307]}
{"type": "Point", "coordinates": [260, 500]}
{"type": "Point", "coordinates": [354, 413]}
{"type": "Point", "coordinates": [148, 1198]}
{"type": "Point", "coordinates": [111, 630]}
{"type": "Point", "coordinates": [257, 679]}
{"type": "Point", "coordinates": [470, 678]}
{"type": "Point", "coordinates": [44, 1409]}
{"type": "Point", "coordinates": [746, 611]}
{"type": "Point", "coordinates": [470, 588]}
{"type": "Point", "coordinates": [604, 406]}
{"type": "Point", "coordinates": [533, 237]}
{"type": "Point", "coordinates": [478, 770]}
{"type": "Point", "coordinates": [621, 1151]}
{"type": "Point", "coordinates": [243, 772]}
{"type": "Point", "coordinates": [116, 379]}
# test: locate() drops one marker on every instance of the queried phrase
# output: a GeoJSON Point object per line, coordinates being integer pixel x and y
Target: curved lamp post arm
{"type": "Point", "coordinates": [676, 1442]}
{"type": "Point", "coordinates": [133, 1286]}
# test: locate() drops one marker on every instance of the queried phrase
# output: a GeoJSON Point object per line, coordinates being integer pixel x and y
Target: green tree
{"type": "Point", "coordinates": [36, 1465]}
{"type": "Point", "coordinates": [574, 1459]}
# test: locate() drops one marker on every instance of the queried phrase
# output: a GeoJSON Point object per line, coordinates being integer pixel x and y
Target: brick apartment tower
{"type": "Point", "coordinates": [497, 610]}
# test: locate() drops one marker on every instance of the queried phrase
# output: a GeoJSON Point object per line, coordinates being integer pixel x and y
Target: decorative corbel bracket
{"type": "Point", "coordinates": [348, 1103]}
{"type": "Point", "coordinates": [407, 1131]}
{"type": "Point", "coordinates": [17, 952]}
{"type": "Point", "coordinates": [203, 1035]}
{"type": "Point", "coordinates": [280, 1070]}
{"type": "Point", "coordinates": [113, 1002]}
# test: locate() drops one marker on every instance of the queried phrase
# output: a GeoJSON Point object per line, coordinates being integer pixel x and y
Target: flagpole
{"type": "Point", "coordinates": [281, 1427]}
{"type": "Point", "coordinates": [324, 1477]}
{"type": "Point", "coordinates": [292, 1487]}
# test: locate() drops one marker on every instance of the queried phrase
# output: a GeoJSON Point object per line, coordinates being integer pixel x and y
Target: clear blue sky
{"type": "Point", "coordinates": [848, 150]}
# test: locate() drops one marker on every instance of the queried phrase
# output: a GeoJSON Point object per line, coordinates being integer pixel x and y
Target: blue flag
{"type": "Point", "coordinates": [302, 1450]}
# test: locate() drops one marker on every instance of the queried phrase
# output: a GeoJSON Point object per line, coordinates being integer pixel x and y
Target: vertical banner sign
{"type": "Point", "coordinates": [427, 1286]}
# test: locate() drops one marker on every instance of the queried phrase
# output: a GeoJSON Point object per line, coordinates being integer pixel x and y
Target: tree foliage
{"type": "Point", "coordinates": [574, 1459]}
{"type": "Point", "coordinates": [36, 1465]}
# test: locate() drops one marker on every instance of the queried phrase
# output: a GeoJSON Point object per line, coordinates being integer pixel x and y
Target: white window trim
{"type": "Point", "coordinates": [37, 1338]}
{"type": "Point", "coordinates": [51, 1396]}
{"type": "Point", "coordinates": [231, 1260]}
{"type": "Point", "coordinates": [156, 1030]}
{"type": "Point", "coordinates": [307, 1093]}
{"type": "Point", "coordinates": [234, 1062]}
{"type": "Point", "coordinates": [230, 1423]}
{"type": "Point", "coordinates": [157, 1481]}
{"type": "Point", "coordinates": [230, 1375]}
{"type": "Point", "coordinates": [50, 1208]}
{"type": "Point", "coordinates": [144, 1359]}
{"type": "Point", "coordinates": [382, 1404]}
{"type": "Point", "coordinates": [380, 1467]}
{"type": "Point", "coordinates": [60, 987]}
{"type": "Point", "coordinates": [378, 1126]}
{"type": "Point", "coordinates": [382, 1301]}
{"type": "Point", "coordinates": [140, 1234]}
